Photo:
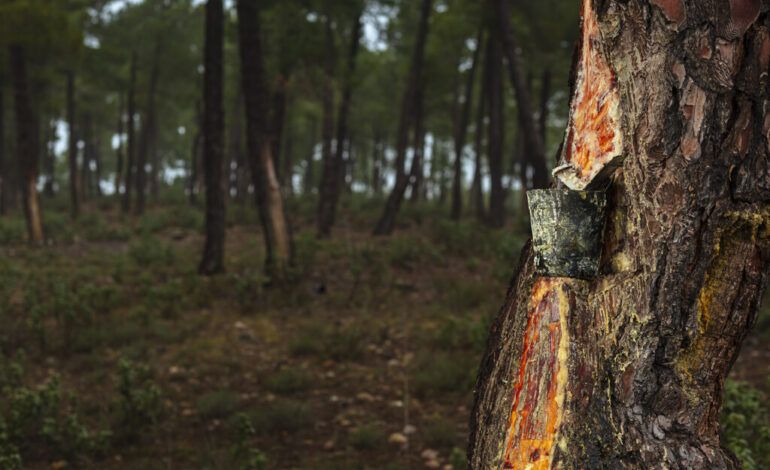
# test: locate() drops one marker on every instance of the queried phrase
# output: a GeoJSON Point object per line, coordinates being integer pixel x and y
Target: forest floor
{"type": "Point", "coordinates": [116, 354]}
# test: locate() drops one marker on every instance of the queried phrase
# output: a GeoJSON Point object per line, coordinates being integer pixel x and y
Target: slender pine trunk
{"type": "Point", "coordinates": [27, 143]}
{"type": "Point", "coordinates": [130, 137]}
{"type": "Point", "coordinates": [387, 221]}
{"type": "Point", "coordinates": [148, 129]}
{"type": "Point", "coordinates": [213, 139]}
{"type": "Point", "coordinates": [72, 152]}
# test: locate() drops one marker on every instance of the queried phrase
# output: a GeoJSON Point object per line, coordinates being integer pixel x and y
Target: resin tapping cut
{"type": "Point", "coordinates": [541, 379]}
{"type": "Point", "coordinates": [594, 139]}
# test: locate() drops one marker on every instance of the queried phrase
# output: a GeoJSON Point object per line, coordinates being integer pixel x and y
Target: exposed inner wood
{"type": "Point", "coordinates": [540, 381]}
{"type": "Point", "coordinates": [594, 137]}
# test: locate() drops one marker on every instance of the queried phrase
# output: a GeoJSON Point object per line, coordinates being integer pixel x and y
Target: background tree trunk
{"type": "Point", "coordinates": [50, 159]}
{"type": "Point", "coordinates": [462, 130]}
{"type": "Point", "coordinates": [496, 128]}
{"type": "Point", "coordinates": [328, 156]}
{"type": "Point", "coordinates": [148, 129]}
{"type": "Point", "coordinates": [130, 136]}
{"type": "Point", "coordinates": [119, 163]}
{"type": "Point", "coordinates": [477, 192]}
{"type": "Point", "coordinates": [213, 140]}
{"type": "Point", "coordinates": [331, 183]}
{"type": "Point", "coordinates": [388, 219]}
{"type": "Point", "coordinates": [535, 149]}
{"type": "Point", "coordinates": [3, 163]}
{"type": "Point", "coordinates": [27, 146]}
{"type": "Point", "coordinates": [72, 149]}
{"type": "Point", "coordinates": [259, 141]}
{"type": "Point", "coordinates": [627, 370]}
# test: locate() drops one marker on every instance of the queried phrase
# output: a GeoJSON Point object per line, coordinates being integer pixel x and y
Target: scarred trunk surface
{"type": "Point", "coordinates": [627, 370]}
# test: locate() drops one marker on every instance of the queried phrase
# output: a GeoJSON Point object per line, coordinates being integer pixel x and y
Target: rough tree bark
{"type": "Point", "coordinates": [406, 118]}
{"type": "Point", "coordinates": [148, 129]}
{"type": "Point", "coordinates": [627, 370]}
{"type": "Point", "coordinates": [461, 131]}
{"type": "Point", "coordinates": [130, 136]}
{"type": "Point", "coordinates": [259, 141]}
{"type": "Point", "coordinates": [496, 217]}
{"type": "Point", "coordinates": [333, 174]}
{"type": "Point", "coordinates": [27, 143]}
{"type": "Point", "coordinates": [72, 148]}
{"type": "Point", "coordinates": [213, 140]}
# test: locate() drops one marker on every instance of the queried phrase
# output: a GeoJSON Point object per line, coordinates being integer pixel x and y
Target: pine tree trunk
{"type": "Point", "coordinates": [462, 130]}
{"type": "Point", "coordinates": [309, 176]}
{"type": "Point", "coordinates": [213, 140]}
{"type": "Point", "coordinates": [532, 136]}
{"type": "Point", "coordinates": [416, 173]}
{"type": "Point", "coordinates": [332, 182]}
{"type": "Point", "coordinates": [477, 192]}
{"type": "Point", "coordinates": [627, 370]}
{"type": "Point", "coordinates": [496, 127]}
{"type": "Point", "coordinates": [259, 142]}
{"type": "Point", "coordinates": [130, 137]}
{"type": "Point", "coordinates": [329, 168]}
{"type": "Point", "coordinates": [119, 163]}
{"type": "Point", "coordinates": [388, 219]}
{"type": "Point", "coordinates": [85, 164]}
{"type": "Point", "coordinates": [27, 147]}
{"type": "Point", "coordinates": [72, 149]}
{"type": "Point", "coordinates": [3, 164]}
{"type": "Point", "coordinates": [148, 128]}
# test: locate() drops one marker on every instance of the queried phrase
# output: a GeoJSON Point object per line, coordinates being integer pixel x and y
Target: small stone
{"type": "Point", "coordinates": [447, 467]}
{"type": "Point", "coordinates": [398, 438]}
{"type": "Point", "coordinates": [397, 404]}
{"type": "Point", "coordinates": [367, 397]}
{"type": "Point", "coordinates": [410, 429]}
{"type": "Point", "coordinates": [329, 445]}
{"type": "Point", "coordinates": [174, 370]}
{"type": "Point", "coordinates": [58, 465]}
{"type": "Point", "coordinates": [433, 464]}
{"type": "Point", "coordinates": [239, 325]}
{"type": "Point", "coordinates": [334, 398]}
{"type": "Point", "coordinates": [429, 454]}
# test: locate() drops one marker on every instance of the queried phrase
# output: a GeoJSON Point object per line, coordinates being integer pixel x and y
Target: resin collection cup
{"type": "Point", "coordinates": [567, 228]}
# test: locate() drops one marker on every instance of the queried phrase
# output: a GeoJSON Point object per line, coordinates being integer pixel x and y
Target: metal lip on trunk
{"type": "Point", "coordinates": [567, 229]}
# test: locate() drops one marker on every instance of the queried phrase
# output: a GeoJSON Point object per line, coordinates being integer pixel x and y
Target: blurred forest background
{"type": "Point", "coordinates": [273, 233]}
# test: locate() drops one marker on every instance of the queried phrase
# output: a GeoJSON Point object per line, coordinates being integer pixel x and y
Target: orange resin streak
{"type": "Point", "coordinates": [535, 412]}
{"type": "Point", "coordinates": [593, 137]}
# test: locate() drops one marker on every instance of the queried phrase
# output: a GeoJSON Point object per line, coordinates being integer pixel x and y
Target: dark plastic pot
{"type": "Point", "coordinates": [567, 228]}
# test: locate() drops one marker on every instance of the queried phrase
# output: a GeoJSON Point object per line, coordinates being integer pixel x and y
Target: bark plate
{"type": "Point", "coordinates": [567, 231]}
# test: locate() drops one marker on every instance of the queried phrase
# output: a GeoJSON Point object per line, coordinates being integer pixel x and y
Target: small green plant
{"type": "Point", "coordinates": [440, 432]}
{"type": "Point", "coordinates": [368, 437]}
{"type": "Point", "coordinates": [140, 398]}
{"type": "Point", "coordinates": [440, 373]}
{"type": "Point", "coordinates": [148, 251]}
{"type": "Point", "coordinates": [249, 457]}
{"type": "Point", "coordinates": [218, 404]}
{"type": "Point", "coordinates": [746, 424]}
{"type": "Point", "coordinates": [282, 415]}
{"type": "Point", "coordinates": [288, 382]}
